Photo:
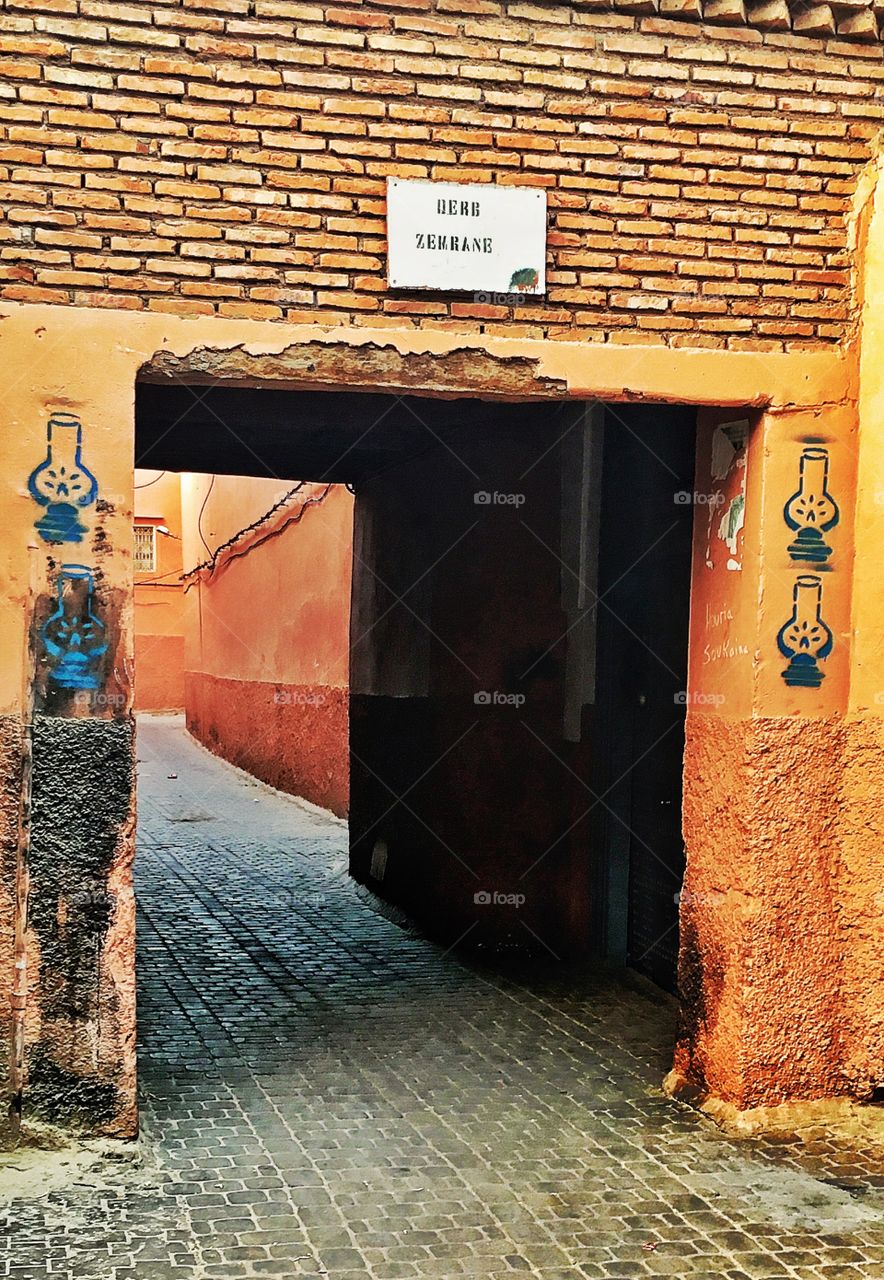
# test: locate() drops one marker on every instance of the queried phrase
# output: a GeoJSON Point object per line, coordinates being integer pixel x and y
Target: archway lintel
{"type": "Point", "coordinates": [447, 365]}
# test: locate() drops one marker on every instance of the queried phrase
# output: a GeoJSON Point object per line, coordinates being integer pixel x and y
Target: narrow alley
{"type": "Point", "coordinates": [326, 1093]}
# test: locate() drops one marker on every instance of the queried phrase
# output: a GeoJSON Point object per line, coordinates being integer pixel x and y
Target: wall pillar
{"type": "Point", "coordinates": [860, 822]}
{"type": "Point", "coordinates": [765, 978]}
{"type": "Point", "coordinates": [72, 593]}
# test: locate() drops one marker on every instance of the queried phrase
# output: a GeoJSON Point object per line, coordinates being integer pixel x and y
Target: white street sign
{"type": "Point", "coordinates": [456, 237]}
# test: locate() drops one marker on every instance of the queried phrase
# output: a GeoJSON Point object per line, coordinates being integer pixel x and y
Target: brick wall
{"type": "Point", "coordinates": [230, 157]}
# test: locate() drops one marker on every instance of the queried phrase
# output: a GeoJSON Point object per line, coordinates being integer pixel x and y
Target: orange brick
{"type": "Point", "coordinates": [222, 161]}
{"type": "Point", "coordinates": [249, 311]}
{"type": "Point", "coordinates": [181, 306]}
{"type": "Point", "coordinates": [323, 35]}
{"type": "Point", "coordinates": [356, 18]}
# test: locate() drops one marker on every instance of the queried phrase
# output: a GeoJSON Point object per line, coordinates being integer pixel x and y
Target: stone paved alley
{"type": "Point", "coordinates": [326, 1093]}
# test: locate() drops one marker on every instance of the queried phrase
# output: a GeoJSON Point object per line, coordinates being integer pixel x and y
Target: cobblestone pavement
{"type": "Point", "coordinates": [328, 1094]}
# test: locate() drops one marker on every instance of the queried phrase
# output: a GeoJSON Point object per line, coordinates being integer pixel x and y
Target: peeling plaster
{"type": "Point", "coordinates": [370, 365]}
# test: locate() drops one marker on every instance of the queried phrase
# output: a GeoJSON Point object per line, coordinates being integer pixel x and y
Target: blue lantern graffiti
{"type": "Point", "coordinates": [805, 639]}
{"type": "Point", "coordinates": [74, 638]}
{"type": "Point", "coordinates": [62, 483]}
{"type": "Point", "coordinates": [811, 511]}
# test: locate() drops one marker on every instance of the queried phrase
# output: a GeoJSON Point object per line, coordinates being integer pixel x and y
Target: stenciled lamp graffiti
{"type": "Point", "coordinates": [805, 639]}
{"type": "Point", "coordinates": [62, 483]}
{"type": "Point", "coordinates": [811, 511]}
{"type": "Point", "coordinates": [75, 639]}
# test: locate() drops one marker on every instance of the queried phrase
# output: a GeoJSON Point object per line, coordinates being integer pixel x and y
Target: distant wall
{"type": "Point", "coordinates": [266, 631]}
{"type": "Point", "coordinates": [159, 600]}
{"type": "Point", "coordinates": [463, 782]}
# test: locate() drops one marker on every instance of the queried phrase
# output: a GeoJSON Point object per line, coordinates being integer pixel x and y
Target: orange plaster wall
{"type": "Point", "coordinates": [782, 948]}
{"type": "Point", "coordinates": [820, 773]}
{"type": "Point", "coordinates": [267, 632]}
{"type": "Point", "coordinates": [159, 598]}
{"type": "Point", "coordinates": [860, 824]}
{"type": "Point", "coordinates": [83, 1029]}
{"type": "Point", "coordinates": [723, 607]}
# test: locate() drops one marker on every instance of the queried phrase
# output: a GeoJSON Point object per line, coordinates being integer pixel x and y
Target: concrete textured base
{"type": "Point", "coordinates": [80, 1021]}
{"type": "Point", "coordinates": [293, 737]}
{"type": "Point", "coordinates": [780, 964]}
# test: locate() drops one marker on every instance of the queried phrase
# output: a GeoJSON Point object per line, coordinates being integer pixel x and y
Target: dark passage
{"type": "Point", "coordinates": [644, 586]}
{"type": "Point", "coordinates": [503, 794]}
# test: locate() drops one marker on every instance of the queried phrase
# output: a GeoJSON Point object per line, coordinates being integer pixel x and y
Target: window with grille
{"type": "Point", "coordinates": [145, 548]}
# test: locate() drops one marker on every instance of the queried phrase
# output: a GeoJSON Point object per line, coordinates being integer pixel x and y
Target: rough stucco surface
{"type": "Point", "coordinates": [859, 901]}
{"type": "Point", "coordinates": [793, 950]}
{"type": "Point", "coordinates": [769, 976]}
{"type": "Point", "coordinates": [79, 1062]}
{"type": "Point", "coordinates": [10, 765]}
{"type": "Point", "coordinates": [294, 737]}
{"type": "Point", "coordinates": [709, 1050]}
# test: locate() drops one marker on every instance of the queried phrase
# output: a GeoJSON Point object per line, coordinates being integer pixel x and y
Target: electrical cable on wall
{"type": "Point", "coordinates": [159, 580]}
{"type": "Point", "coordinates": [210, 564]}
{"type": "Point", "coordinates": [148, 483]}
{"type": "Point", "coordinates": [199, 519]}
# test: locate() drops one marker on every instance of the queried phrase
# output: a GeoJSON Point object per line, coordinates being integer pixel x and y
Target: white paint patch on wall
{"type": "Point", "coordinates": [728, 489]}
